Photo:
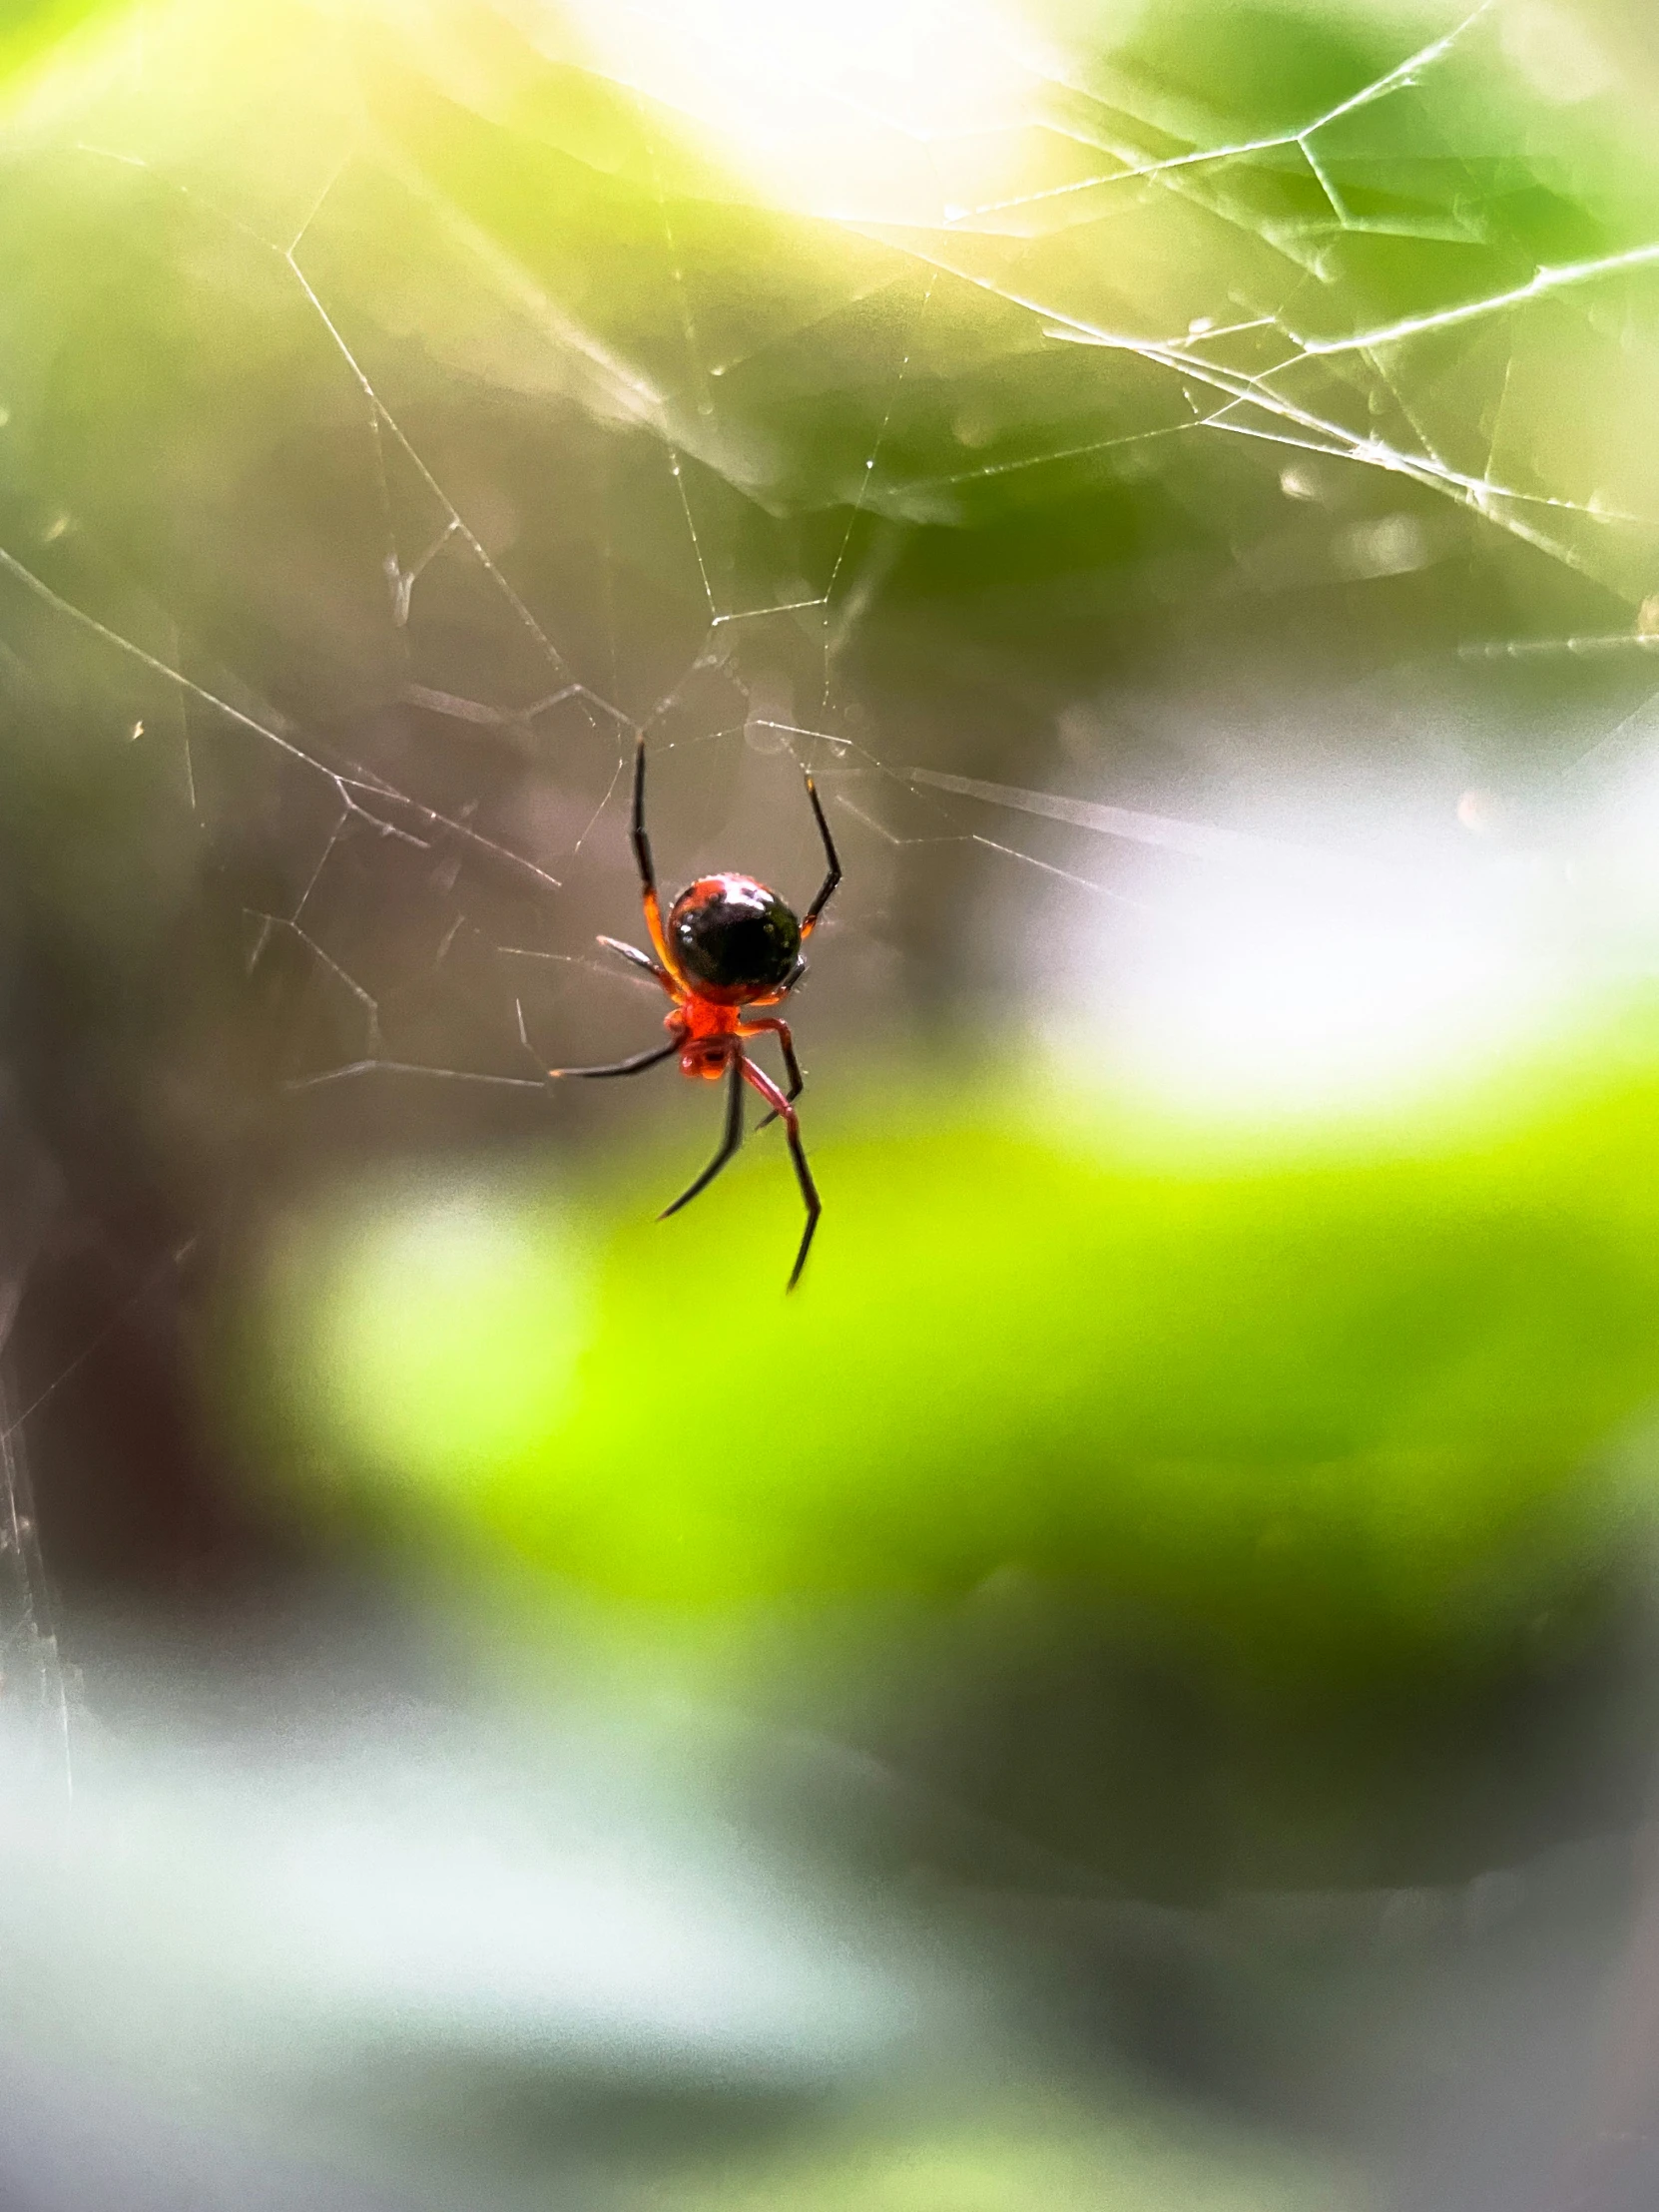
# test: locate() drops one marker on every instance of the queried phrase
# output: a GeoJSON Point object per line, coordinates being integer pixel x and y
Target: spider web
{"type": "Point", "coordinates": [405, 407]}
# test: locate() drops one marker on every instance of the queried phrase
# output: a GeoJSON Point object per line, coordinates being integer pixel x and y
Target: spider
{"type": "Point", "coordinates": [728, 945]}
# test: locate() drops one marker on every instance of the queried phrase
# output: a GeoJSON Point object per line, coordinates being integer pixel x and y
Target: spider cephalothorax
{"type": "Point", "coordinates": [728, 944]}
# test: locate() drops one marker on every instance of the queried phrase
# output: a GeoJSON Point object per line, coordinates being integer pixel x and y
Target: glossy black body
{"type": "Point", "coordinates": [727, 947]}
{"type": "Point", "coordinates": [734, 939]}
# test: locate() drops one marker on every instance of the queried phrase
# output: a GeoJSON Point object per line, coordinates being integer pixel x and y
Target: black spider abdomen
{"type": "Point", "coordinates": [732, 939]}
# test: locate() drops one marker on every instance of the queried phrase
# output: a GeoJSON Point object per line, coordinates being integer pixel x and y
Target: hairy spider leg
{"type": "Point", "coordinates": [648, 872]}
{"type": "Point", "coordinates": [631, 1066]}
{"type": "Point", "coordinates": [639, 959]}
{"type": "Point", "coordinates": [729, 1142]}
{"type": "Point", "coordinates": [802, 1173]}
{"type": "Point", "coordinates": [786, 1045]}
{"type": "Point", "coordinates": [810, 923]}
{"type": "Point", "coordinates": [826, 890]}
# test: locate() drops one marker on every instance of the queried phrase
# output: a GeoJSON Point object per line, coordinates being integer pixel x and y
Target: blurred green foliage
{"type": "Point", "coordinates": [403, 400]}
{"type": "Point", "coordinates": [1331, 1410]}
{"type": "Point", "coordinates": [1056, 2159]}
{"type": "Point", "coordinates": [31, 29]}
{"type": "Point", "coordinates": [433, 417]}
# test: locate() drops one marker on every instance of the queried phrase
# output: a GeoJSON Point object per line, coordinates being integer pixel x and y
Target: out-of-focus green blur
{"type": "Point", "coordinates": [1234, 414]}
{"type": "Point", "coordinates": [1180, 475]}
{"type": "Point", "coordinates": [1347, 1409]}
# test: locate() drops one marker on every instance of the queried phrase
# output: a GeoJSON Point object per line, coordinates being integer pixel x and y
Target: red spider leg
{"type": "Point", "coordinates": [636, 959]}
{"type": "Point", "coordinates": [780, 1105]}
{"type": "Point", "coordinates": [777, 999]}
{"type": "Point", "coordinates": [786, 1044]}
{"type": "Point", "coordinates": [648, 874]}
{"type": "Point", "coordinates": [827, 889]}
{"type": "Point", "coordinates": [728, 1143]}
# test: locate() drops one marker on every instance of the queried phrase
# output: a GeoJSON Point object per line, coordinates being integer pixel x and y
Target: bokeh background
{"type": "Point", "coordinates": [1135, 1687]}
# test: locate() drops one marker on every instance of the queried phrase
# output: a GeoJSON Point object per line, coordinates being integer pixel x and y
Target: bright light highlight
{"type": "Point", "coordinates": [446, 1334]}
{"type": "Point", "coordinates": [1273, 977]}
{"type": "Point", "coordinates": [1270, 996]}
{"type": "Point", "coordinates": [833, 111]}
